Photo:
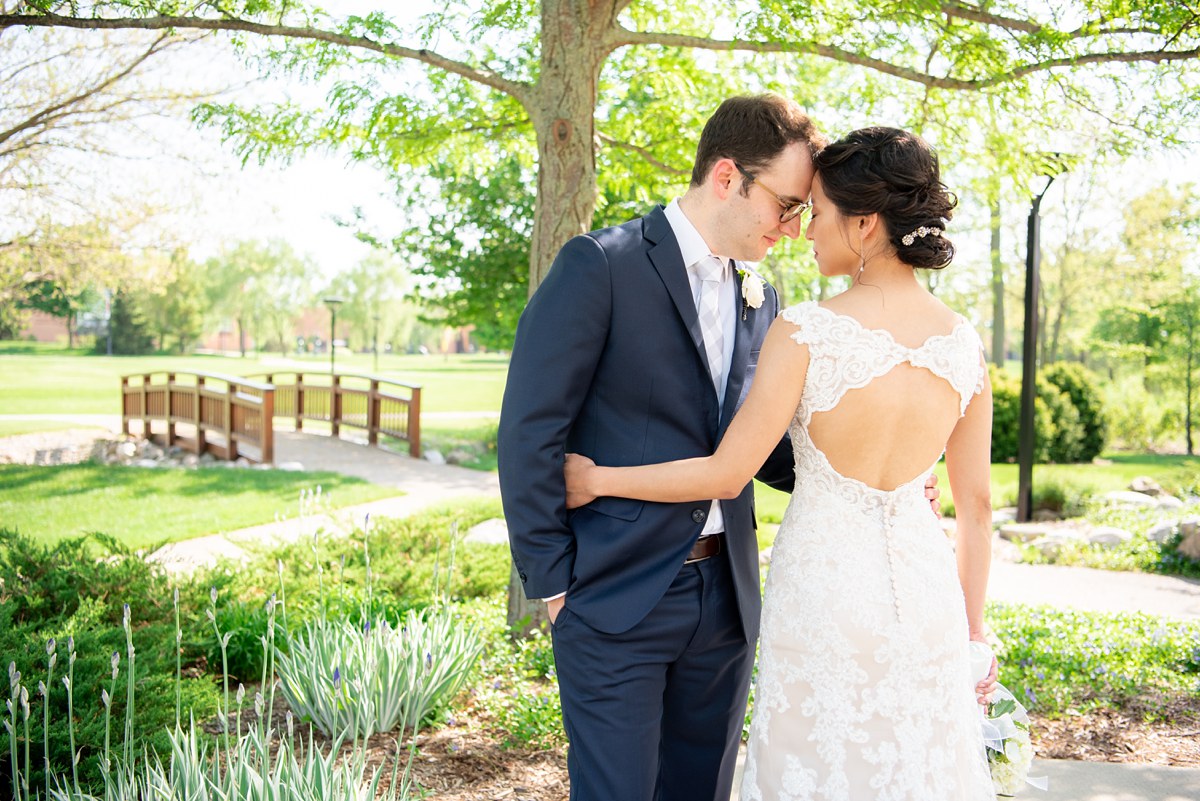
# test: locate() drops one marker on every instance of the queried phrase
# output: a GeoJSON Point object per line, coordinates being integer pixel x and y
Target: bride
{"type": "Point", "coordinates": [863, 689]}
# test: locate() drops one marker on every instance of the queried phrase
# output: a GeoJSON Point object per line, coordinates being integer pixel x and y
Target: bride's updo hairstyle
{"type": "Point", "coordinates": [894, 174]}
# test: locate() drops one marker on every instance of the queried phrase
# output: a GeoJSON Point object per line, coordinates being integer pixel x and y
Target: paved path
{"type": "Point", "coordinates": [423, 484]}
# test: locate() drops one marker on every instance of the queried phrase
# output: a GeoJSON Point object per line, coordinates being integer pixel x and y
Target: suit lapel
{"type": "Point", "coordinates": [668, 261]}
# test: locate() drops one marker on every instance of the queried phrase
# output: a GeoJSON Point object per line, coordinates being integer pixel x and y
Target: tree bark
{"type": "Point", "coordinates": [562, 108]}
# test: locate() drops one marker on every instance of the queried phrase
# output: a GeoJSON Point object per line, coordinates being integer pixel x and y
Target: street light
{"type": "Point", "coordinates": [1054, 164]}
{"type": "Point", "coordinates": [375, 367]}
{"type": "Point", "coordinates": [333, 304]}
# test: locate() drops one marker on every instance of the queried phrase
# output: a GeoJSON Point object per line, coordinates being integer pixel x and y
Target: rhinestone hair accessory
{"type": "Point", "coordinates": [923, 232]}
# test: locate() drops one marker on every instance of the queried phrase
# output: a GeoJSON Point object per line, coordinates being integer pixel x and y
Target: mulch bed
{"type": "Point", "coordinates": [467, 761]}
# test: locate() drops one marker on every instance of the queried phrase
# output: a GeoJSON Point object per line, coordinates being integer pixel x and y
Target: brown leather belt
{"type": "Point", "coordinates": [704, 548]}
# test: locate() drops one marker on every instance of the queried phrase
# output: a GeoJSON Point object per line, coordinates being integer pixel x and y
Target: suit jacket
{"type": "Point", "coordinates": [609, 362]}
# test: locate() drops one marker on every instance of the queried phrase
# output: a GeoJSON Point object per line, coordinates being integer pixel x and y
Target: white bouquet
{"type": "Point", "coordinates": [1005, 732]}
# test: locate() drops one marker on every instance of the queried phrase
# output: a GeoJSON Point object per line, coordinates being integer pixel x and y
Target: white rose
{"type": "Point", "coordinates": [752, 290]}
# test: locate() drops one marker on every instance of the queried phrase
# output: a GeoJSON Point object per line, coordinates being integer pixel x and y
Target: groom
{"type": "Point", "coordinates": [638, 347]}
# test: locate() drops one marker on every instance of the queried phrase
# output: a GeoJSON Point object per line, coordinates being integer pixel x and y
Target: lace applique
{"type": "Point", "coordinates": [845, 355]}
{"type": "Point", "coordinates": [863, 689]}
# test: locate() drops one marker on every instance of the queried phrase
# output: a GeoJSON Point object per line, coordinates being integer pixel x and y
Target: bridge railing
{"type": "Point", "coordinates": [376, 405]}
{"type": "Point", "coordinates": [228, 416]}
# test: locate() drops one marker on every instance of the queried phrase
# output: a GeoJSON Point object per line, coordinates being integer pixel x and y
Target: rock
{"type": "Point", "coordinates": [489, 532]}
{"type": "Point", "coordinates": [1190, 547]}
{"type": "Point", "coordinates": [242, 461]}
{"type": "Point", "coordinates": [145, 463]}
{"type": "Point", "coordinates": [1145, 485]}
{"type": "Point", "coordinates": [190, 460]}
{"type": "Point", "coordinates": [1023, 532]}
{"type": "Point", "coordinates": [1052, 544]}
{"type": "Point", "coordinates": [291, 467]}
{"type": "Point", "coordinates": [1045, 515]}
{"type": "Point", "coordinates": [1169, 502]}
{"type": "Point", "coordinates": [459, 456]}
{"type": "Point", "coordinates": [1128, 498]}
{"type": "Point", "coordinates": [1161, 532]}
{"type": "Point", "coordinates": [126, 450]}
{"type": "Point", "coordinates": [434, 457]}
{"type": "Point", "coordinates": [1108, 536]}
{"type": "Point", "coordinates": [1189, 527]}
{"type": "Point", "coordinates": [1007, 514]}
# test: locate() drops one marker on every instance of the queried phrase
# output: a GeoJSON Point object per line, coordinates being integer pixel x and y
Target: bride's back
{"type": "Point", "coordinates": [889, 415]}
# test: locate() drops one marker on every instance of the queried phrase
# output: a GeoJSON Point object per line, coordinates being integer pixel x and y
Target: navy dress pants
{"type": "Point", "coordinates": [656, 713]}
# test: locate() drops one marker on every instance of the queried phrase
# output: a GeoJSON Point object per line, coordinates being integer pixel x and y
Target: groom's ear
{"type": "Point", "coordinates": [723, 177]}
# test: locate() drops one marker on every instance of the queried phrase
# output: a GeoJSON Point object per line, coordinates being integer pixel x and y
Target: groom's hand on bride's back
{"type": "Point", "coordinates": [933, 493]}
{"type": "Point", "coordinates": [575, 468]}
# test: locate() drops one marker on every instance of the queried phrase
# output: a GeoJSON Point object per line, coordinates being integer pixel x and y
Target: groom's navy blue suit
{"type": "Point", "coordinates": [653, 657]}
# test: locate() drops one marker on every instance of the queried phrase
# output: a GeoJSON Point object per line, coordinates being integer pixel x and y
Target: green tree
{"type": "Point", "coordinates": [542, 67]}
{"type": "Point", "coordinates": [261, 287]}
{"type": "Point", "coordinates": [128, 330]}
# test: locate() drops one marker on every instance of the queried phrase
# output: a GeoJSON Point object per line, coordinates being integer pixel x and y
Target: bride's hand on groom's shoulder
{"type": "Point", "coordinates": [575, 469]}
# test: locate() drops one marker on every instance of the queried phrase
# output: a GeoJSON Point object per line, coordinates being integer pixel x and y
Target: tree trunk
{"type": "Point", "coordinates": [563, 110]}
{"type": "Point", "coordinates": [998, 339]}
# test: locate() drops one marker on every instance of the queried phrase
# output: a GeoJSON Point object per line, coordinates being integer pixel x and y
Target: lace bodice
{"type": "Point", "coordinates": [863, 689]}
{"type": "Point", "coordinates": [844, 355]}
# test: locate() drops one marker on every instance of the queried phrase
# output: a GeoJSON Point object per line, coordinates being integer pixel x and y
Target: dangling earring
{"type": "Point", "coordinates": [862, 258]}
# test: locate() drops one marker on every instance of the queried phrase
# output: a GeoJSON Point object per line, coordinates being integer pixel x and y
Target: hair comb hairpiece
{"type": "Point", "coordinates": [922, 232]}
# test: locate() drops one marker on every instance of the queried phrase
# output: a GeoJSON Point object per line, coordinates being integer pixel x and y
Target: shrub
{"type": "Point", "coordinates": [1077, 382]}
{"type": "Point", "coordinates": [354, 681]}
{"type": "Point", "coordinates": [1006, 420]}
{"type": "Point", "coordinates": [77, 588]}
{"type": "Point", "coordinates": [1066, 446]}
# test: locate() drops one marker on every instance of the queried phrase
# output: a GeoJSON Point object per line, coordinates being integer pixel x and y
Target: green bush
{"type": "Point", "coordinates": [1066, 447]}
{"type": "Point", "coordinates": [413, 560]}
{"type": "Point", "coordinates": [1060, 435]}
{"type": "Point", "coordinates": [1060, 661]}
{"type": "Point", "coordinates": [1006, 420]}
{"type": "Point", "coordinates": [1076, 381]}
{"type": "Point", "coordinates": [77, 588]}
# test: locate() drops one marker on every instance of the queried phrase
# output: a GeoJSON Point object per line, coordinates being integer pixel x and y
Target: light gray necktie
{"type": "Point", "coordinates": [711, 271]}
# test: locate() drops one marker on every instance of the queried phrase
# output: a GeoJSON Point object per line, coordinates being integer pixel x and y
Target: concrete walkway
{"type": "Point", "coordinates": [423, 484]}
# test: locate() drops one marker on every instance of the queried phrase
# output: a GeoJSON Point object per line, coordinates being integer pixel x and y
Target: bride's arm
{"type": "Point", "coordinates": [968, 465]}
{"type": "Point", "coordinates": [753, 434]}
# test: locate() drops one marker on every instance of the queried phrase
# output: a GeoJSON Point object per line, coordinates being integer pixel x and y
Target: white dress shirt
{"type": "Point", "coordinates": [694, 250]}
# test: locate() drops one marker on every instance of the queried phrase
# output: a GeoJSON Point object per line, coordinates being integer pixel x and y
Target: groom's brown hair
{"type": "Point", "coordinates": [752, 130]}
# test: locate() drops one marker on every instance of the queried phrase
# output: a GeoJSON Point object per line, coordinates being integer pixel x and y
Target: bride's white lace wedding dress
{"type": "Point", "coordinates": [863, 690]}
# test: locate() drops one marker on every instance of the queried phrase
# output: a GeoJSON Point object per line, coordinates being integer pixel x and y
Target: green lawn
{"type": "Point", "coordinates": [49, 379]}
{"type": "Point", "coordinates": [143, 507]}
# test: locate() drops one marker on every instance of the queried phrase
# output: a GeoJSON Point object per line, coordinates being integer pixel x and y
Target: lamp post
{"type": "Point", "coordinates": [1054, 167]}
{"type": "Point", "coordinates": [375, 361]}
{"type": "Point", "coordinates": [333, 304]}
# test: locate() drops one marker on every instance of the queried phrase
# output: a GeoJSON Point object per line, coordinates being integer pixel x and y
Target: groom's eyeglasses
{"type": "Point", "coordinates": [790, 211]}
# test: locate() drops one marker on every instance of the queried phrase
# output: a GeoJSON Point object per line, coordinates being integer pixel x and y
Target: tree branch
{"type": "Point", "coordinates": [628, 37]}
{"type": "Point", "coordinates": [52, 111]}
{"type": "Point", "coordinates": [644, 153]}
{"type": "Point", "coordinates": [519, 91]}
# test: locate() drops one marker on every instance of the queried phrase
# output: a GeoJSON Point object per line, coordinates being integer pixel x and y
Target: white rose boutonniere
{"type": "Point", "coordinates": [753, 293]}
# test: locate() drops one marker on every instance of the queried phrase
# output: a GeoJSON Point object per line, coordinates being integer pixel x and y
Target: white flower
{"type": "Point", "coordinates": [752, 288]}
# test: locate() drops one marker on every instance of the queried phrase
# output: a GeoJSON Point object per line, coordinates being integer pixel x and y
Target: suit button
{"type": "Point", "coordinates": [698, 515]}
{"type": "Point", "coordinates": [524, 577]}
